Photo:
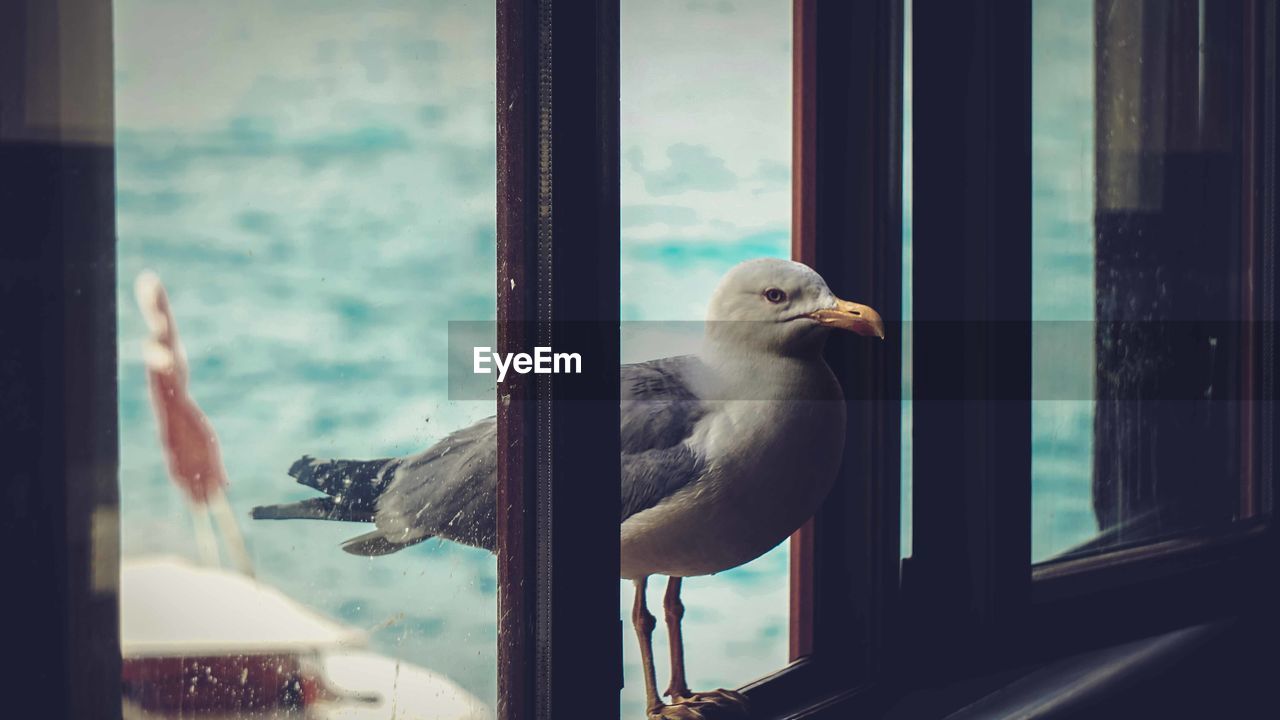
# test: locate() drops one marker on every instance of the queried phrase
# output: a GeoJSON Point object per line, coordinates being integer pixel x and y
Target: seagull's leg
{"type": "Point", "coordinates": [644, 623]}
{"type": "Point", "coordinates": [714, 704]}
{"type": "Point", "coordinates": [674, 611]}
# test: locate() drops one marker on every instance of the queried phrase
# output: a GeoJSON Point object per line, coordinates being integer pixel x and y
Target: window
{"type": "Point", "coordinates": [1090, 282]}
{"type": "Point", "coordinates": [580, 45]}
{"type": "Point", "coordinates": [315, 187]}
{"type": "Point", "coordinates": [1060, 341]}
{"type": "Point", "coordinates": [1145, 224]}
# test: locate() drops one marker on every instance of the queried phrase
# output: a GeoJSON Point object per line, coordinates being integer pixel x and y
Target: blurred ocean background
{"type": "Point", "coordinates": [314, 181]}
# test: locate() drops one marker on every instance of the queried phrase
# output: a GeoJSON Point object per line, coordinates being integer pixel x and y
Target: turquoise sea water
{"type": "Point", "coordinates": [314, 181]}
{"type": "Point", "coordinates": [1062, 288]}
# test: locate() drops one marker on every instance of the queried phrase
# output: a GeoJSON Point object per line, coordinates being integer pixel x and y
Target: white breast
{"type": "Point", "coordinates": [770, 464]}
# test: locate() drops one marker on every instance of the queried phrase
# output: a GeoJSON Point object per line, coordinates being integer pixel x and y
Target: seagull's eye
{"type": "Point", "coordinates": [774, 295]}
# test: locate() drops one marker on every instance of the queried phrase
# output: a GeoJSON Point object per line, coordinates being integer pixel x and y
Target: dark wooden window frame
{"type": "Point", "coordinates": [968, 579]}
{"type": "Point", "coordinates": [847, 224]}
{"type": "Point", "coordinates": [971, 604]}
{"type": "Point", "coordinates": [58, 357]}
{"type": "Point", "coordinates": [971, 599]}
{"type": "Point", "coordinates": [1215, 572]}
{"type": "Point", "coordinates": [558, 285]}
{"type": "Point", "coordinates": [841, 600]}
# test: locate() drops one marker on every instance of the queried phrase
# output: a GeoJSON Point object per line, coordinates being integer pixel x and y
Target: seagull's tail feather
{"type": "Point", "coordinates": [354, 483]}
{"type": "Point", "coordinates": [445, 491]}
{"type": "Point", "coordinates": [375, 543]}
{"type": "Point", "coordinates": [310, 509]}
{"type": "Point", "coordinates": [352, 488]}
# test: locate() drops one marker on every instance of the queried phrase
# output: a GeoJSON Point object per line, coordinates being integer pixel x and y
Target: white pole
{"type": "Point", "coordinates": [231, 533]}
{"type": "Point", "coordinates": [206, 540]}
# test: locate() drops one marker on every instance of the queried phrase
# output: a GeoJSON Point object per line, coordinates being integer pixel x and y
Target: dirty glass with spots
{"type": "Point", "coordinates": [1147, 280]}
{"type": "Point", "coordinates": [309, 188]}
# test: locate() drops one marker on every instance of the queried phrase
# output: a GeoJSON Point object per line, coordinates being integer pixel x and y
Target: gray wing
{"type": "Point", "coordinates": [449, 489]}
{"type": "Point", "coordinates": [659, 411]}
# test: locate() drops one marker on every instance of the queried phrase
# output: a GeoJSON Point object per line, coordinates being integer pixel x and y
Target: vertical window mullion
{"type": "Point", "coordinates": [516, 105]}
{"type": "Point", "coordinates": [1268, 19]}
{"type": "Point", "coordinates": [970, 567]}
{"type": "Point", "coordinates": [558, 274]}
{"type": "Point", "coordinates": [847, 224]}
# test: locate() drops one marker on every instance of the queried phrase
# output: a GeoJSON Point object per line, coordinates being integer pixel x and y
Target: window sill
{"type": "Point", "coordinates": [1072, 685]}
{"type": "Point", "coordinates": [1217, 669]}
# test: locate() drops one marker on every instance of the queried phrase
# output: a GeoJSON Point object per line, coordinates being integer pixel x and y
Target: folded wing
{"type": "Point", "coordinates": [448, 489]}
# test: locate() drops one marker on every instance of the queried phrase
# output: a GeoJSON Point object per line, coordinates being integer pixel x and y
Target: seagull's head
{"type": "Point", "coordinates": [783, 307]}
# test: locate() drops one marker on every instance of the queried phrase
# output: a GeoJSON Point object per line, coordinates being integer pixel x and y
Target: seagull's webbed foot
{"type": "Point", "coordinates": [728, 699]}
{"type": "Point", "coordinates": [713, 705]}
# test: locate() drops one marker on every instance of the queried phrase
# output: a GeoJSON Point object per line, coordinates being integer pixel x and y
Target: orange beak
{"type": "Point", "coordinates": [851, 316]}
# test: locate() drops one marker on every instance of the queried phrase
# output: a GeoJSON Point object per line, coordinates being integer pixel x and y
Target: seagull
{"type": "Point", "coordinates": [725, 453]}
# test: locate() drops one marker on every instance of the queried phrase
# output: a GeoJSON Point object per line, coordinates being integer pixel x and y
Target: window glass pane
{"type": "Point", "coordinates": [314, 183]}
{"type": "Point", "coordinates": [907, 498]}
{"type": "Point", "coordinates": [1142, 274]}
{"type": "Point", "coordinates": [705, 173]}
{"type": "Point", "coordinates": [1062, 254]}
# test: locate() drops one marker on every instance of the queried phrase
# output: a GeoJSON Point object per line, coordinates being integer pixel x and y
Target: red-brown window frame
{"type": "Point", "coordinates": [847, 224]}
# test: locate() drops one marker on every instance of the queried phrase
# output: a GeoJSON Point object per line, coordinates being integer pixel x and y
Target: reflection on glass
{"type": "Point", "coordinates": [706, 147]}
{"type": "Point", "coordinates": [314, 185]}
{"type": "Point", "coordinates": [1138, 426]}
